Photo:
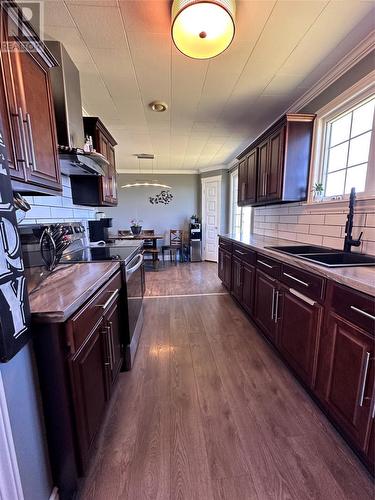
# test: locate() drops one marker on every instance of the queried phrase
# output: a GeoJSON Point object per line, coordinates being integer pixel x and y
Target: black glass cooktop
{"type": "Point", "coordinates": [91, 254]}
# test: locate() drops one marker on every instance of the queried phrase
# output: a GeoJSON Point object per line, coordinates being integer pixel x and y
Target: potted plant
{"type": "Point", "coordinates": [318, 190]}
{"type": "Point", "coordinates": [135, 227]}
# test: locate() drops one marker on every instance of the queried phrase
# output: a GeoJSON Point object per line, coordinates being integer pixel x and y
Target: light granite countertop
{"type": "Point", "coordinates": [361, 278]}
{"type": "Point", "coordinates": [66, 289]}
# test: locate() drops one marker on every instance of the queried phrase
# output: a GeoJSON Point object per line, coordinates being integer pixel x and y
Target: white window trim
{"type": "Point", "coordinates": [232, 174]}
{"type": "Point", "coordinates": [352, 96]}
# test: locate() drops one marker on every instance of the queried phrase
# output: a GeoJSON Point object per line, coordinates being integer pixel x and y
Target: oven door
{"type": "Point", "coordinates": [135, 291]}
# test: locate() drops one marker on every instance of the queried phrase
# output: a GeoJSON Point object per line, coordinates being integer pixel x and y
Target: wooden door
{"type": "Point", "coordinates": [346, 376]}
{"type": "Point", "coordinates": [298, 334]}
{"type": "Point", "coordinates": [275, 165]}
{"type": "Point", "coordinates": [33, 89]}
{"type": "Point", "coordinates": [90, 390]}
{"type": "Point", "coordinates": [242, 182]}
{"type": "Point", "coordinates": [113, 344]}
{"type": "Point", "coordinates": [248, 275]}
{"type": "Point", "coordinates": [237, 278]}
{"type": "Point", "coordinates": [251, 183]}
{"type": "Point", "coordinates": [263, 152]}
{"type": "Point", "coordinates": [264, 308]}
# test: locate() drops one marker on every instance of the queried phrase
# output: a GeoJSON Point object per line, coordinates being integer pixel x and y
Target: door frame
{"type": "Point", "coordinates": [204, 181]}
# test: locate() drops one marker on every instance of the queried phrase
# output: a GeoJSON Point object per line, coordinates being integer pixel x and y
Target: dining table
{"type": "Point", "coordinates": [151, 237]}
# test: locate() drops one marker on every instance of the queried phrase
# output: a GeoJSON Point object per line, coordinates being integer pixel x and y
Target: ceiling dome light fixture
{"type": "Point", "coordinates": [203, 29]}
{"type": "Point", "coordinates": [158, 106]}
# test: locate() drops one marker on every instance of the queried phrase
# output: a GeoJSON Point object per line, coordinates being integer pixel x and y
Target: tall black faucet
{"type": "Point", "coordinates": [349, 242]}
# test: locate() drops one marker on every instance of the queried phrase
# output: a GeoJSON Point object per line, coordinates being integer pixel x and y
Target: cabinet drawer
{"type": "Point", "coordinates": [226, 244]}
{"type": "Point", "coordinates": [245, 254]}
{"type": "Point", "coordinates": [86, 318]}
{"type": "Point", "coordinates": [355, 306]}
{"type": "Point", "coordinates": [303, 281]}
{"type": "Point", "coordinates": [269, 266]}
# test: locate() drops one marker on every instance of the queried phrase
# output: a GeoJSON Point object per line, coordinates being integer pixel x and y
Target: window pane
{"type": "Point", "coordinates": [356, 177]}
{"type": "Point", "coordinates": [359, 149]}
{"type": "Point", "coordinates": [335, 183]}
{"type": "Point", "coordinates": [340, 130]}
{"type": "Point", "coordinates": [363, 118]}
{"type": "Point", "coordinates": [337, 157]}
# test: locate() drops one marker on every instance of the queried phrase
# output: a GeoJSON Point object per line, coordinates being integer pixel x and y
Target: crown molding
{"type": "Point", "coordinates": [360, 51]}
{"type": "Point", "coordinates": [213, 168]}
{"type": "Point", "coordinates": [343, 66]}
{"type": "Point", "coordinates": [157, 172]}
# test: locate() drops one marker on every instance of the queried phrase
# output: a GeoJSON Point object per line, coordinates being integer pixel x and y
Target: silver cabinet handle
{"type": "Point", "coordinates": [239, 252]}
{"type": "Point", "coordinates": [296, 279]}
{"type": "Point", "coordinates": [31, 140]}
{"type": "Point", "coordinates": [265, 264]}
{"type": "Point", "coordinates": [368, 315]}
{"type": "Point", "coordinates": [273, 304]}
{"type": "Point", "coordinates": [277, 295]}
{"type": "Point", "coordinates": [302, 297]}
{"type": "Point", "coordinates": [362, 396]}
{"type": "Point", "coordinates": [109, 345]}
{"type": "Point", "coordinates": [106, 304]}
{"type": "Point", "coordinates": [111, 340]}
{"type": "Point", "coordinates": [21, 133]}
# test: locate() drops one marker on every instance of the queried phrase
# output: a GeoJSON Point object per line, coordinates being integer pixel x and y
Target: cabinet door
{"type": "Point", "coordinates": [112, 174]}
{"type": "Point", "coordinates": [228, 270]}
{"type": "Point", "coordinates": [106, 183]}
{"type": "Point", "coordinates": [298, 334]}
{"type": "Point", "coordinates": [371, 447]}
{"type": "Point", "coordinates": [220, 269]}
{"type": "Point", "coordinates": [251, 183]}
{"type": "Point", "coordinates": [90, 390]}
{"type": "Point", "coordinates": [38, 120]}
{"type": "Point", "coordinates": [248, 274]}
{"type": "Point", "coordinates": [113, 344]}
{"type": "Point", "coordinates": [275, 165]}
{"type": "Point", "coordinates": [242, 182]}
{"type": "Point", "coordinates": [263, 149]}
{"type": "Point", "coordinates": [237, 278]}
{"type": "Point", "coordinates": [346, 376]}
{"type": "Point", "coordinates": [265, 299]}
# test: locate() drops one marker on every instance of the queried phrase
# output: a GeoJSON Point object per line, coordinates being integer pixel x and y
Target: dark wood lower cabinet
{"type": "Point", "coordinates": [299, 329]}
{"type": "Point", "coordinates": [89, 386]}
{"type": "Point", "coordinates": [248, 276]}
{"type": "Point", "coordinates": [113, 343]}
{"type": "Point", "coordinates": [345, 379]}
{"type": "Point", "coordinates": [225, 267]}
{"type": "Point", "coordinates": [265, 313]}
{"type": "Point", "coordinates": [237, 269]}
{"type": "Point", "coordinates": [322, 329]}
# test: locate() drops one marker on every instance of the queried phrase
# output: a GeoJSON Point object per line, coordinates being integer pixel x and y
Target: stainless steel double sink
{"type": "Point", "coordinates": [326, 256]}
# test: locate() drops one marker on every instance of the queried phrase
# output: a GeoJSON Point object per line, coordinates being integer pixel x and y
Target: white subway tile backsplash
{"type": "Point", "coordinates": [370, 220]}
{"type": "Point", "coordinates": [325, 230]}
{"type": "Point", "coordinates": [311, 219]}
{"type": "Point", "coordinates": [331, 242]}
{"type": "Point", "coordinates": [49, 209]}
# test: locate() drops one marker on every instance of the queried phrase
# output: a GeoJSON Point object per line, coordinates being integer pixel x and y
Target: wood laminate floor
{"type": "Point", "coordinates": [209, 412]}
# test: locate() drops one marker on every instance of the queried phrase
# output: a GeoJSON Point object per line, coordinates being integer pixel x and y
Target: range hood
{"type": "Point", "coordinates": [66, 91]}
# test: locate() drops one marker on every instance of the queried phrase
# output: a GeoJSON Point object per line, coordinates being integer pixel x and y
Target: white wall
{"type": "Point", "coordinates": [134, 203]}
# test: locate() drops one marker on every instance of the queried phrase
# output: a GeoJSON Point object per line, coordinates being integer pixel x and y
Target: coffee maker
{"type": "Point", "coordinates": [98, 229]}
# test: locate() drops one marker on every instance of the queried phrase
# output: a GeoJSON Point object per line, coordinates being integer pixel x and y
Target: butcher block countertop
{"type": "Point", "coordinates": [361, 278]}
{"type": "Point", "coordinates": [66, 289]}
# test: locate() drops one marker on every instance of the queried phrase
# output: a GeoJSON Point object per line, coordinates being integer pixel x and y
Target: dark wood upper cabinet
{"type": "Point", "coordinates": [345, 378]}
{"type": "Point", "coordinates": [97, 191]}
{"type": "Point", "coordinates": [27, 109]}
{"type": "Point", "coordinates": [251, 186]}
{"type": "Point", "coordinates": [282, 161]}
{"type": "Point", "coordinates": [242, 182]}
{"type": "Point", "coordinates": [299, 331]}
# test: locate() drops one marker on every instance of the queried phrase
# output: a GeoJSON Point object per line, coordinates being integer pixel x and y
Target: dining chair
{"type": "Point", "coordinates": [124, 232]}
{"type": "Point", "coordinates": [176, 237]}
{"type": "Point", "coordinates": [150, 246]}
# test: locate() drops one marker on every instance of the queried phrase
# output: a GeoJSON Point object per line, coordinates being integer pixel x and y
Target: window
{"type": "Point", "coordinates": [240, 217]}
{"type": "Point", "coordinates": [347, 149]}
{"type": "Point", "coordinates": [344, 144]}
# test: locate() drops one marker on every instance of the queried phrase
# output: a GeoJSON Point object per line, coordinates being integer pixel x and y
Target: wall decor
{"type": "Point", "coordinates": [163, 198]}
{"type": "Point", "coordinates": [14, 306]}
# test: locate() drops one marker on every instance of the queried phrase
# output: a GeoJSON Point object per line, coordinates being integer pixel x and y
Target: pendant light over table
{"type": "Point", "coordinates": [203, 29]}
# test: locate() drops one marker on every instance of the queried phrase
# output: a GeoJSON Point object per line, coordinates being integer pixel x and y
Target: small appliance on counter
{"type": "Point", "coordinates": [195, 241]}
{"type": "Point", "coordinates": [98, 229]}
